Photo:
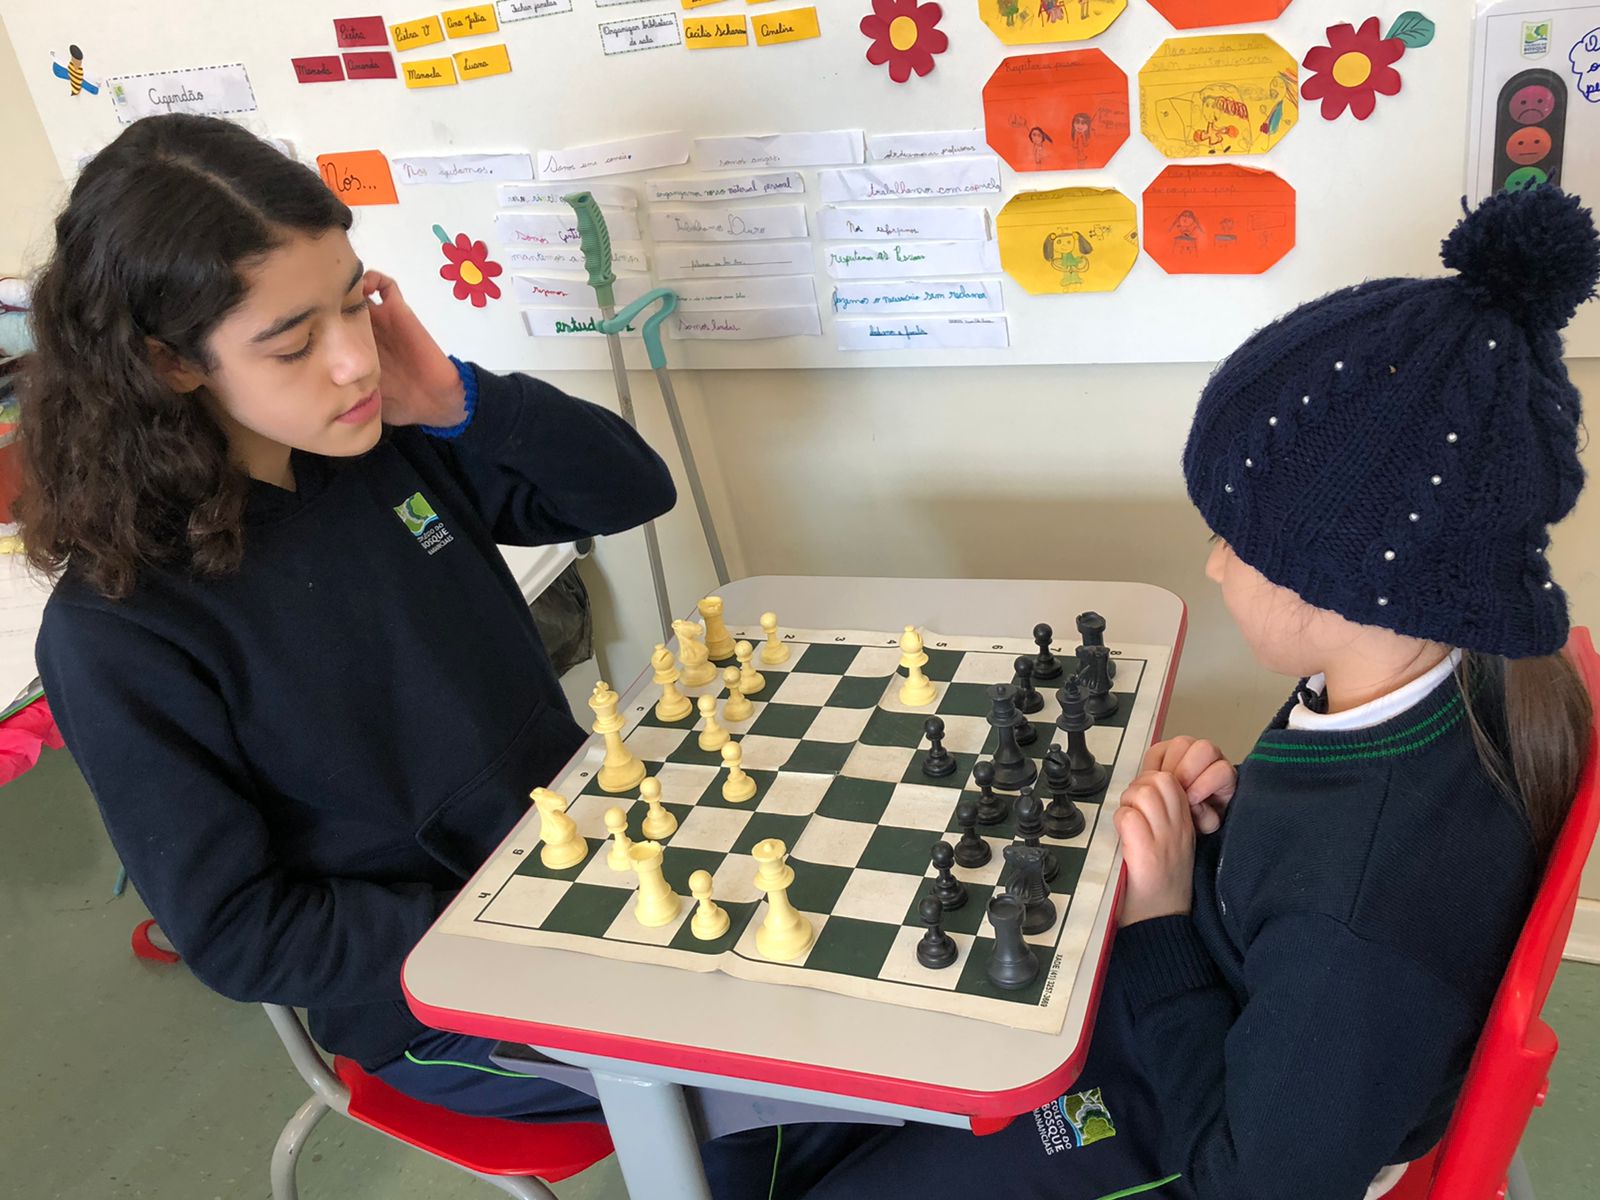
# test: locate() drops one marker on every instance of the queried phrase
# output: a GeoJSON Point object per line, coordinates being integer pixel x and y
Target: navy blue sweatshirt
{"type": "Point", "coordinates": [302, 761]}
{"type": "Point", "coordinates": [1312, 1020]}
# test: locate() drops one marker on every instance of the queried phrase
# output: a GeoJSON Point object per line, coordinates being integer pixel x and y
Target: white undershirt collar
{"type": "Point", "coordinates": [1373, 712]}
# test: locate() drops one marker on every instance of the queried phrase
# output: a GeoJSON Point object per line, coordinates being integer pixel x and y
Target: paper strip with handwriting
{"type": "Point", "coordinates": [917, 296]}
{"type": "Point", "coordinates": [567, 322]}
{"type": "Point", "coordinates": [724, 261]}
{"type": "Point", "coordinates": [889, 260]}
{"type": "Point", "coordinates": [210, 90]}
{"type": "Point", "coordinates": [733, 223]}
{"type": "Point", "coordinates": [779, 150]}
{"type": "Point", "coordinates": [522, 10]}
{"type": "Point", "coordinates": [733, 187]}
{"type": "Point", "coordinates": [773, 291]}
{"type": "Point", "coordinates": [358, 177]}
{"type": "Point", "coordinates": [571, 292]}
{"type": "Point", "coordinates": [482, 61]}
{"type": "Point", "coordinates": [715, 33]}
{"type": "Point", "coordinates": [469, 22]}
{"type": "Point", "coordinates": [463, 168]}
{"type": "Point", "coordinates": [949, 143]}
{"type": "Point", "coordinates": [424, 31]}
{"type": "Point", "coordinates": [430, 72]}
{"type": "Point", "coordinates": [554, 195]}
{"type": "Point", "coordinates": [614, 158]}
{"type": "Point", "coordinates": [912, 180]}
{"type": "Point", "coordinates": [925, 333]}
{"type": "Point", "coordinates": [360, 31]}
{"type": "Point", "coordinates": [892, 221]}
{"type": "Point", "coordinates": [745, 324]}
{"type": "Point", "coordinates": [320, 68]}
{"type": "Point", "coordinates": [654, 32]}
{"type": "Point", "coordinates": [556, 228]}
{"type": "Point", "coordinates": [789, 25]}
{"type": "Point", "coordinates": [625, 256]}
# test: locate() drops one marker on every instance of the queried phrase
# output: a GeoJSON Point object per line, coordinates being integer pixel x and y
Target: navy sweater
{"type": "Point", "coordinates": [1313, 1018]}
{"type": "Point", "coordinates": [302, 761]}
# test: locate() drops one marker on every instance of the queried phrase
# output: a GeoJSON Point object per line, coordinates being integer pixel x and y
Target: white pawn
{"type": "Point", "coordinates": [692, 653]}
{"type": "Point", "coordinates": [657, 904]}
{"type": "Point", "coordinates": [738, 787]}
{"type": "Point", "coordinates": [719, 642]}
{"type": "Point", "coordinates": [750, 680]}
{"type": "Point", "coordinates": [562, 846]}
{"type": "Point", "coordinates": [710, 920]}
{"type": "Point", "coordinates": [735, 707]}
{"type": "Point", "coordinates": [617, 825]}
{"type": "Point", "coordinates": [673, 705]}
{"type": "Point", "coordinates": [774, 651]}
{"type": "Point", "coordinates": [658, 822]}
{"type": "Point", "coordinates": [713, 736]}
{"type": "Point", "coordinates": [785, 934]}
{"type": "Point", "coordinates": [916, 691]}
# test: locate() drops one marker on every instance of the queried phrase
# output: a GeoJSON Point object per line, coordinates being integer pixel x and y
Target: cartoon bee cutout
{"type": "Point", "coordinates": [73, 72]}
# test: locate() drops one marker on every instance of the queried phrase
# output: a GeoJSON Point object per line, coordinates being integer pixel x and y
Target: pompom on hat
{"type": "Point", "coordinates": [1397, 451]}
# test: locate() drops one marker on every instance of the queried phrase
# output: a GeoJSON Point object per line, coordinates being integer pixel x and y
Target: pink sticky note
{"type": "Point", "coordinates": [323, 68]}
{"type": "Point", "coordinates": [370, 64]}
{"type": "Point", "coordinates": [361, 31]}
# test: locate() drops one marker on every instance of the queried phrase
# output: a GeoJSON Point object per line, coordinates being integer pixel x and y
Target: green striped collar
{"type": "Point", "coordinates": [1405, 733]}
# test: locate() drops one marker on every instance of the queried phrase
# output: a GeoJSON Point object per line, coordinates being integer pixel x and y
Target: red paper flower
{"type": "Point", "coordinates": [905, 36]}
{"type": "Point", "coordinates": [469, 268]}
{"type": "Point", "coordinates": [1352, 69]}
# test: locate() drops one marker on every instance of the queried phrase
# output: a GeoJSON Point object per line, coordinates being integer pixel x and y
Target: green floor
{"type": "Point", "coordinates": [127, 1080]}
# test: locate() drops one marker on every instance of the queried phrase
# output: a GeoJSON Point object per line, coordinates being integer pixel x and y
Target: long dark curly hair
{"type": "Point", "coordinates": [121, 472]}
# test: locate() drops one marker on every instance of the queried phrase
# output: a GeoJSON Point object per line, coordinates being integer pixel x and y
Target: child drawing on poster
{"type": "Point", "coordinates": [1012, 11]}
{"type": "Point", "coordinates": [1187, 232]}
{"type": "Point", "coordinates": [1082, 130]}
{"type": "Point", "coordinates": [1039, 139]}
{"type": "Point", "coordinates": [1068, 251]}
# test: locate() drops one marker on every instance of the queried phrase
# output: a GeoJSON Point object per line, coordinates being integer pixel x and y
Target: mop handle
{"type": "Point", "coordinates": [596, 239]}
{"type": "Point", "coordinates": [652, 326]}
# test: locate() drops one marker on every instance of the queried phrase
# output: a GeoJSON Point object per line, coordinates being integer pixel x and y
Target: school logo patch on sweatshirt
{"type": "Point", "coordinates": [424, 523]}
{"type": "Point", "coordinates": [1080, 1119]}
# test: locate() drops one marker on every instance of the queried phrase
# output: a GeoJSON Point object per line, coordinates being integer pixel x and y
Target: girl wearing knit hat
{"type": "Point", "coordinates": [1310, 944]}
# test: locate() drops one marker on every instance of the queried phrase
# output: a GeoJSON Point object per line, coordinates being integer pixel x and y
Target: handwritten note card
{"type": "Point", "coordinates": [360, 31]}
{"type": "Point", "coordinates": [566, 322]}
{"type": "Point", "coordinates": [734, 223]}
{"type": "Point", "coordinates": [888, 147]}
{"type": "Point", "coordinates": [210, 90]}
{"type": "Point", "coordinates": [483, 60]}
{"type": "Point", "coordinates": [773, 291]}
{"type": "Point", "coordinates": [895, 221]}
{"type": "Point", "coordinates": [723, 262]}
{"type": "Point", "coordinates": [570, 292]}
{"type": "Point", "coordinates": [522, 10]}
{"type": "Point", "coordinates": [918, 296]}
{"type": "Point", "coordinates": [425, 31]}
{"type": "Point", "coordinates": [748, 324]}
{"type": "Point", "coordinates": [614, 158]}
{"type": "Point", "coordinates": [925, 333]}
{"type": "Point", "coordinates": [734, 187]}
{"type": "Point", "coordinates": [714, 33]}
{"type": "Point", "coordinates": [463, 168]}
{"type": "Point", "coordinates": [358, 177]}
{"type": "Point", "coordinates": [537, 195]}
{"type": "Point", "coordinates": [430, 72]}
{"type": "Point", "coordinates": [625, 256]}
{"type": "Point", "coordinates": [469, 22]}
{"type": "Point", "coordinates": [790, 25]}
{"type": "Point", "coordinates": [912, 180]}
{"type": "Point", "coordinates": [889, 260]}
{"type": "Point", "coordinates": [323, 68]}
{"type": "Point", "coordinates": [780, 150]}
{"type": "Point", "coordinates": [369, 64]}
{"type": "Point", "coordinates": [640, 33]}
{"type": "Point", "coordinates": [556, 228]}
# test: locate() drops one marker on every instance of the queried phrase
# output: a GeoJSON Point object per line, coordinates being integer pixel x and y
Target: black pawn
{"type": "Point", "coordinates": [1028, 698]}
{"type": "Point", "coordinates": [992, 809]}
{"type": "Point", "coordinates": [937, 949]}
{"type": "Point", "coordinates": [1046, 665]}
{"type": "Point", "coordinates": [1013, 964]}
{"type": "Point", "coordinates": [1030, 825]}
{"type": "Point", "coordinates": [1027, 735]}
{"type": "Point", "coordinates": [1028, 886]}
{"type": "Point", "coordinates": [1101, 700]}
{"type": "Point", "coordinates": [1092, 632]}
{"type": "Point", "coordinates": [971, 850]}
{"type": "Point", "coordinates": [939, 762]}
{"type": "Point", "coordinates": [1062, 818]}
{"type": "Point", "coordinates": [951, 892]}
{"type": "Point", "coordinates": [1087, 776]}
{"type": "Point", "coordinates": [1012, 768]}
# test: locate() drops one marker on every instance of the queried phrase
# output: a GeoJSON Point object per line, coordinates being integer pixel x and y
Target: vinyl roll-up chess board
{"type": "Point", "coordinates": [836, 758]}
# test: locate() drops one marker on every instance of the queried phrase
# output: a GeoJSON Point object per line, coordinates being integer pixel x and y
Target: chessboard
{"type": "Point", "coordinates": [836, 758]}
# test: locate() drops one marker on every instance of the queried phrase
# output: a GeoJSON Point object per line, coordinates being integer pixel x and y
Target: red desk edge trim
{"type": "Point", "coordinates": [835, 1080]}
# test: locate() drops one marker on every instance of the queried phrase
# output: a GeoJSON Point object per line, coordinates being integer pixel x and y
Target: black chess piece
{"type": "Point", "coordinates": [1100, 700]}
{"type": "Point", "coordinates": [1012, 768]}
{"type": "Point", "coordinates": [971, 850]}
{"type": "Point", "coordinates": [1028, 698]}
{"type": "Point", "coordinates": [1030, 825]}
{"type": "Point", "coordinates": [1013, 964]}
{"type": "Point", "coordinates": [937, 949]}
{"type": "Point", "coordinates": [1092, 632]}
{"type": "Point", "coordinates": [939, 762]}
{"type": "Point", "coordinates": [952, 893]}
{"type": "Point", "coordinates": [992, 809]}
{"type": "Point", "coordinates": [1046, 665]}
{"type": "Point", "coordinates": [1087, 776]}
{"type": "Point", "coordinates": [1062, 818]}
{"type": "Point", "coordinates": [1027, 735]}
{"type": "Point", "coordinates": [1028, 885]}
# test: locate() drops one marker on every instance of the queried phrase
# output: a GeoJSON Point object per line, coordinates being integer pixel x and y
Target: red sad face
{"type": "Point", "coordinates": [1533, 103]}
{"type": "Point", "coordinates": [1528, 145]}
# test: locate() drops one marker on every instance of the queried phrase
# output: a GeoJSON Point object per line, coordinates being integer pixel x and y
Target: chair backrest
{"type": "Point", "coordinates": [1510, 1069]}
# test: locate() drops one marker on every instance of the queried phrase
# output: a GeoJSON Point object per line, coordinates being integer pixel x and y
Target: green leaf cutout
{"type": "Point", "coordinates": [1412, 28]}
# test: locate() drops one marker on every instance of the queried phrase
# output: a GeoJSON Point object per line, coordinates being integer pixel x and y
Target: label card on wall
{"type": "Point", "coordinates": [723, 262]}
{"type": "Point", "coordinates": [358, 177]}
{"type": "Point", "coordinates": [463, 168]}
{"type": "Point", "coordinates": [790, 25]}
{"type": "Point", "coordinates": [640, 33]}
{"type": "Point", "coordinates": [206, 90]}
{"type": "Point", "coordinates": [734, 223]}
{"type": "Point", "coordinates": [424, 31]}
{"type": "Point", "coordinates": [369, 64]}
{"type": "Point", "coordinates": [324, 68]}
{"type": "Point", "coordinates": [483, 60]}
{"type": "Point", "coordinates": [360, 31]}
{"type": "Point", "coordinates": [925, 333]}
{"type": "Point", "coordinates": [744, 324]}
{"type": "Point", "coordinates": [469, 22]}
{"type": "Point", "coordinates": [430, 72]}
{"type": "Point", "coordinates": [522, 10]}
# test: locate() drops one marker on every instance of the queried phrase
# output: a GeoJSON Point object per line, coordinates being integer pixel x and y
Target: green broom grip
{"type": "Point", "coordinates": [651, 332]}
{"type": "Point", "coordinates": [596, 240]}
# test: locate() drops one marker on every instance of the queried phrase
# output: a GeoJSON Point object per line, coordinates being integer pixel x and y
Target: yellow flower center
{"type": "Point", "coordinates": [903, 33]}
{"type": "Point", "coordinates": [1352, 70]}
{"type": "Point", "coordinates": [470, 275]}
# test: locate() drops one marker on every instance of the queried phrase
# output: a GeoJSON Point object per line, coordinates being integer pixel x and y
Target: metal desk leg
{"type": "Point", "coordinates": [655, 1139]}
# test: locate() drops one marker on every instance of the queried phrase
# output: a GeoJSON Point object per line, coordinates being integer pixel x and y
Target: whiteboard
{"type": "Point", "coordinates": [1374, 197]}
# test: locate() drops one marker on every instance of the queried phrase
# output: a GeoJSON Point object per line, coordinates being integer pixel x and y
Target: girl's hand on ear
{"type": "Point", "coordinates": [1157, 835]}
{"type": "Point", "coordinates": [1207, 778]}
{"type": "Point", "coordinates": [419, 383]}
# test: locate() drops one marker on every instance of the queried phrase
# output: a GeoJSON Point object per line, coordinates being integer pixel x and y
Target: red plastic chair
{"type": "Point", "coordinates": [1510, 1072]}
{"type": "Point", "coordinates": [516, 1157]}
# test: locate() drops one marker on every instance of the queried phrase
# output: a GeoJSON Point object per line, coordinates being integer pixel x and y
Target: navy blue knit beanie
{"type": "Point", "coordinates": [1396, 451]}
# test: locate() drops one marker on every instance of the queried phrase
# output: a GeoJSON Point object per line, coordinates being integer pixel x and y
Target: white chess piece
{"type": "Point", "coordinates": [916, 691]}
{"type": "Point", "coordinates": [735, 707]}
{"type": "Point", "coordinates": [658, 822]}
{"type": "Point", "coordinates": [713, 736]}
{"type": "Point", "coordinates": [562, 847]}
{"type": "Point", "coordinates": [738, 787]}
{"type": "Point", "coordinates": [617, 826]}
{"type": "Point", "coordinates": [692, 653]}
{"type": "Point", "coordinates": [785, 934]}
{"type": "Point", "coordinates": [774, 651]}
{"type": "Point", "coordinates": [751, 681]}
{"type": "Point", "coordinates": [673, 705]}
{"type": "Point", "coordinates": [657, 903]}
{"type": "Point", "coordinates": [710, 920]}
{"type": "Point", "coordinates": [622, 769]}
{"type": "Point", "coordinates": [719, 642]}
